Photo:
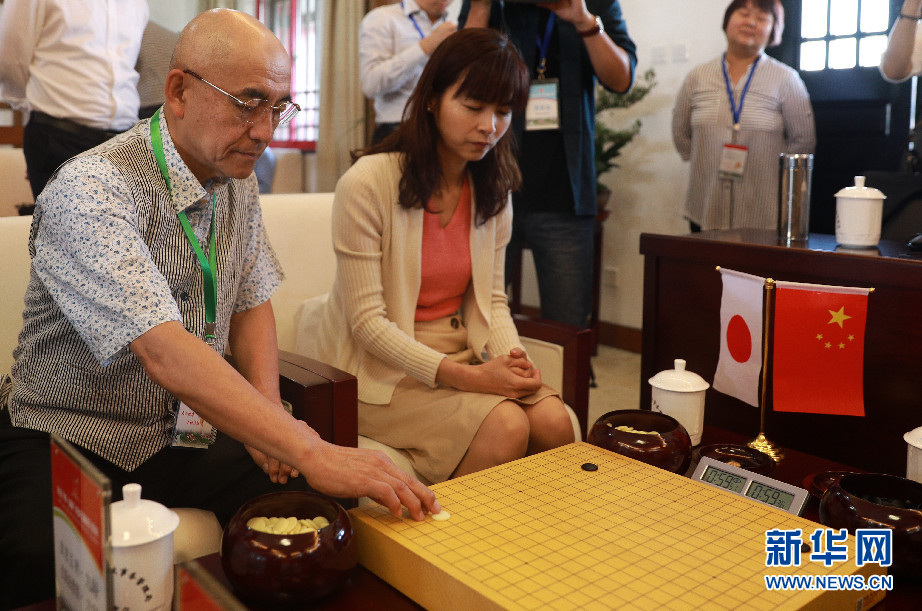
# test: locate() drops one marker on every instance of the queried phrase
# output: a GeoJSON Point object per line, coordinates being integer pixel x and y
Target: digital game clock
{"type": "Point", "coordinates": [759, 488]}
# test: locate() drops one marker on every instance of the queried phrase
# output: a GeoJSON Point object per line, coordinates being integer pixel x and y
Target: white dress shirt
{"type": "Point", "coordinates": [390, 58]}
{"type": "Point", "coordinates": [73, 59]}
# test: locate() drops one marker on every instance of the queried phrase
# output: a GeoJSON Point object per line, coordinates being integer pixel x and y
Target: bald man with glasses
{"type": "Point", "coordinates": [149, 259]}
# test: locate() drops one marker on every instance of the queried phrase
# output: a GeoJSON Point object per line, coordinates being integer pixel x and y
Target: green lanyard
{"type": "Point", "coordinates": [209, 264]}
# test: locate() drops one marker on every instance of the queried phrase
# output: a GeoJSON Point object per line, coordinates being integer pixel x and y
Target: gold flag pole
{"type": "Point", "coordinates": [761, 443]}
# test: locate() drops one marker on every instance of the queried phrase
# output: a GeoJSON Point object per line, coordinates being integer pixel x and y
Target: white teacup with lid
{"type": "Point", "coordinates": [142, 551]}
{"type": "Point", "coordinates": [914, 454]}
{"type": "Point", "coordinates": [680, 394]}
{"type": "Point", "coordinates": [859, 212]}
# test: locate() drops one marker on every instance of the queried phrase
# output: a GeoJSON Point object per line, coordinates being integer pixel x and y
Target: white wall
{"type": "Point", "coordinates": [173, 14]}
{"type": "Point", "coordinates": [649, 187]}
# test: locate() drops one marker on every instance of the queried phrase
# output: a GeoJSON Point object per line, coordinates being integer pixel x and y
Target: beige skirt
{"type": "Point", "coordinates": [433, 427]}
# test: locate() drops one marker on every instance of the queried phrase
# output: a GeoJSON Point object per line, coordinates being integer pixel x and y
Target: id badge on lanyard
{"type": "Point", "coordinates": [732, 161]}
{"type": "Point", "coordinates": [543, 108]}
{"type": "Point", "coordinates": [189, 429]}
{"type": "Point", "coordinates": [733, 155]}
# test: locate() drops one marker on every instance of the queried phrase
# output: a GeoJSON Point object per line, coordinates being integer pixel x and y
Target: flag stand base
{"type": "Point", "coordinates": [762, 444]}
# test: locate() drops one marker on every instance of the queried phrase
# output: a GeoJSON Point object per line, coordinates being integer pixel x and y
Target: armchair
{"type": "Point", "coordinates": [563, 353]}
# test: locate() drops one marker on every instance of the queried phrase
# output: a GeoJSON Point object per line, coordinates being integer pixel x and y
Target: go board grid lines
{"type": "Point", "coordinates": [543, 533]}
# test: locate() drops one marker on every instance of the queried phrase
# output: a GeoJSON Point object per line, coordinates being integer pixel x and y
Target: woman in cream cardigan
{"type": "Point", "coordinates": [418, 311]}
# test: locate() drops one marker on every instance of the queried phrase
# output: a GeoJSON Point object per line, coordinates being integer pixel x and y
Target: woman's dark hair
{"type": "Point", "coordinates": [773, 7]}
{"type": "Point", "coordinates": [490, 69]}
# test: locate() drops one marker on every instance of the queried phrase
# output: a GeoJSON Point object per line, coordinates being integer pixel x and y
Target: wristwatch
{"type": "Point", "coordinates": [598, 28]}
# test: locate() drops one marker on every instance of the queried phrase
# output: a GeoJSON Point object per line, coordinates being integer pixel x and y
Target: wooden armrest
{"type": "Point", "coordinates": [322, 396]}
{"type": "Point", "coordinates": [577, 349]}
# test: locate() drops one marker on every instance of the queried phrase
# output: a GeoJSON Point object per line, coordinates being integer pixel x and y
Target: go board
{"type": "Point", "coordinates": [542, 533]}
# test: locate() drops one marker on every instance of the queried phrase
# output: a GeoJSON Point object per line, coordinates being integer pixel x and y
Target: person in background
{"type": "Point", "coordinates": [395, 41]}
{"type": "Point", "coordinates": [72, 65]}
{"type": "Point", "coordinates": [732, 119]}
{"type": "Point", "coordinates": [573, 44]}
{"type": "Point", "coordinates": [903, 55]}
{"type": "Point", "coordinates": [418, 311]}
{"type": "Point", "coordinates": [153, 66]}
{"type": "Point", "coordinates": [125, 327]}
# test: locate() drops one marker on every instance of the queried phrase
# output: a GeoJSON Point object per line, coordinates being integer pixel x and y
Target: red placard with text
{"type": "Point", "coordinates": [80, 496]}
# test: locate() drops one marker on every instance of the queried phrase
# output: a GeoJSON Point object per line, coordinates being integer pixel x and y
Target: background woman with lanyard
{"type": "Point", "coordinates": [734, 116]}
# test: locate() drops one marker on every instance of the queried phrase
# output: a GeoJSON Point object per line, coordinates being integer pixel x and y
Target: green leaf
{"type": "Point", "coordinates": [608, 141]}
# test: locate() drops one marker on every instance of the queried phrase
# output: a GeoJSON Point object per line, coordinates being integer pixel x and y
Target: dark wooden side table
{"type": "Point", "coordinates": [364, 590]}
{"type": "Point", "coordinates": [794, 469]}
{"type": "Point", "coordinates": [681, 319]}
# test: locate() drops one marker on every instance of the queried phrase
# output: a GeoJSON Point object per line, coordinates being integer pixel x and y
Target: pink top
{"type": "Point", "coordinates": [446, 261]}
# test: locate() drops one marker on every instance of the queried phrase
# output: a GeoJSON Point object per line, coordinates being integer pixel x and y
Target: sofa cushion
{"type": "Point", "coordinates": [14, 275]}
{"type": "Point", "coordinates": [299, 229]}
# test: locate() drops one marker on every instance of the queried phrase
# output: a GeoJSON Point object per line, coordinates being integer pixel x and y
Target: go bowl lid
{"type": "Point", "coordinates": [136, 521]}
{"type": "Point", "coordinates": [859, 191]}
{"type": "Point", "coordinates": [678, 379]}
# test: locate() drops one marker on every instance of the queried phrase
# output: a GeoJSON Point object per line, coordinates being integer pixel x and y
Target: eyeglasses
{"type": "Point", "coordinates": [252, 111]}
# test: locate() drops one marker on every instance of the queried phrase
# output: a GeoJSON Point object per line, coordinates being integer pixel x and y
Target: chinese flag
{"type": "Point", "coordinates": [818, 364]}
{"type": "Point", "coordinates": [740, 360]}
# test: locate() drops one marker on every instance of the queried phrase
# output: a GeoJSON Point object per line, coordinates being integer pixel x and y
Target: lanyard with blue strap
{"type": "Point", "coordinates": [737, 110]}
{"type": "Point", "coordinates": [733, 156]}
{"type": "Point", "coordinates": [543, 44]}
{"type": "Point", "coordinates": [415, 25]}
{"type": "Point", "coordinates": [542, 111]}
{"type": "Point", "coordinates": [208, 264]}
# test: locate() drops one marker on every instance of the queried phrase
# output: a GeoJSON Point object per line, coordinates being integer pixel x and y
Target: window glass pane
{"type": "Point", "coordinates": [308, 83]}
{"type": "Point", "coordinates": [875, 15]}
{"type": "Point", "coordinates": [813, 55]}
{"type": "Point", "coordinates": [843, 17]}
{"type": "Point", "coordinates": [870, 49]}
{"type": "Point", "coordinates": [813, 19]}
{"type": "Point", "coordinates": [842, 53]}
{"type": "Point", "coordinates": [300, 33]}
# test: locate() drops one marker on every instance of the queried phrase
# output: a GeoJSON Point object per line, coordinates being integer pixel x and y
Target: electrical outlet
{"type": "Point", "coordinates": [610, 275]}
{"type": "Point", "coordinates": [680, 52]}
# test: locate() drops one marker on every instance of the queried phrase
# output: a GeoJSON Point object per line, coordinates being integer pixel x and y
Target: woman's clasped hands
{"type": "Point", "coordinates": [510, 375]}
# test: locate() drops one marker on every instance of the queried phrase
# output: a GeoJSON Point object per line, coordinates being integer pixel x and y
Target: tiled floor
{"type": "Point", "coordinates": [617, 376]}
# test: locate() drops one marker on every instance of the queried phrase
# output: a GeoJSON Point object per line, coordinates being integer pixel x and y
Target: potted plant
{"type": "Point", "coordinates": [608, 141]}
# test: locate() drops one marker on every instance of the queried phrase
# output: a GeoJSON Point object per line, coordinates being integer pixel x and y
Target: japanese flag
{"type": "Point", "coordinates": [740, 360]}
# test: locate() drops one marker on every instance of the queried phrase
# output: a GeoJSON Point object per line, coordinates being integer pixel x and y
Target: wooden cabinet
{"type": "Point", "coordinates": [681, 319]}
